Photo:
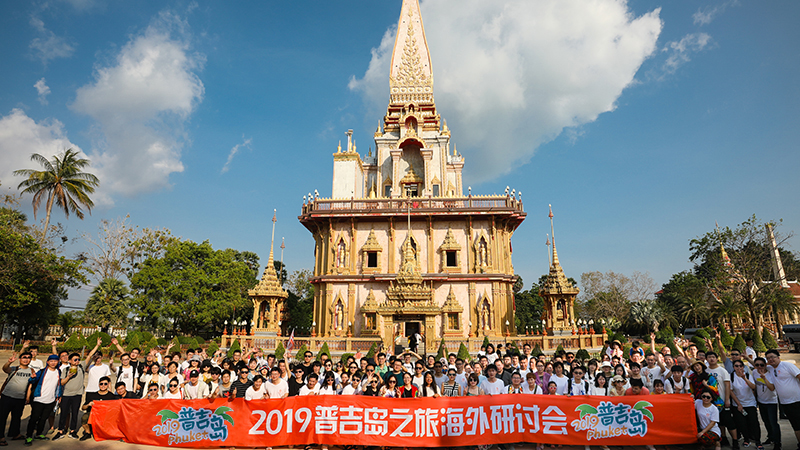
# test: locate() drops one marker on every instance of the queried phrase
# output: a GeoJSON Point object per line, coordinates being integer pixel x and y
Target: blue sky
{"type": "Point", "coordinates": [643, 122]}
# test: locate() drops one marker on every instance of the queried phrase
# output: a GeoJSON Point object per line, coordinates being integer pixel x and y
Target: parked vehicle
{"type": "Point", "coordinates": [792, 334]}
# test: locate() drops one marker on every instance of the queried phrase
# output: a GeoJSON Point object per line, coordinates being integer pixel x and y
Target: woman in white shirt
{"type": "Point", "coordinates": [491, 355]}
{"type": "Point", "coordinates": [429, 387]}
{"type": "Point", "coordinates": [257, 391]}
{"type": "Point", "coordinates": [173, 390]}
{"type": "Point", "coordinates": [328, 385]}
{"type": "Point", "coordinates": [153, 376]}
{"type": "Point", "coordinates": [561, 380]}
{"type": "Point", "coordinates": [600, 386]}
{"type": "Point", "coordinates": [708, 418]}
{"type": "Point", "coordinates": [743, 404]}
{"type": "Point", "coordinates": [531, 386]}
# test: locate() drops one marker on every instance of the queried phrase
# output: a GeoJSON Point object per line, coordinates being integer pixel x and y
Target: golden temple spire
{"type": "Point", "coordinates": [411, 72]}
{"type": "Point", "coordinates": [556, 281]}
{"type": "Point", "coordinates": [270, 285]}
{"type": "Point", "coordinates": [553, 234]}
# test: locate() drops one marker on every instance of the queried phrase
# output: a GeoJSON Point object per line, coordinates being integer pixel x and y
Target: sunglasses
{"type": "Point", "coordinates": [706, 396]}
{"type": "Point", "coordinates": [173, 385]}
{"type": "Point", "coordinates": [24, 357]}
{"type": "Point", "coordinates": [373, 382]}
{"type": "Point", "coordinates": [759, 365]}
{"type": "Point", "coordinates": [451, 374]}
{"type": "Point", "coordinates": [244, 372]}
{"type": "Point", "coordinates": [154, 389]}
{"type": "Point", "coordinates": [392, 381]}
{"type": "Point", "coordinates": [103, 384]}
{"type": "Point", "coordinates": [370, 370]}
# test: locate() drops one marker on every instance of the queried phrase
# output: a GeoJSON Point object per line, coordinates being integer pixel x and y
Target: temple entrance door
{"type": "Point", "coordinates": [412, 328]}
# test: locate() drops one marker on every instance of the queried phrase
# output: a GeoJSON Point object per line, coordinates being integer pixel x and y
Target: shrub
{"type": "Point", "coordinates": [559, 350]}
{"type": "Point", "coordinates": [199, 343]}
{"type": "Point", "coordinates": [703, 333]}
{"type": "Point", "coordinates": [212, 348]}
{"type": "Point", "coordinates": [235, 346]}
{"type": "Point", "coordinates": [280, 350]}
{"type": "Point", "coordinates": [299, 352]}
{"type": "Point", "coordinates": [145, 336]}
{"type": "Point", "coordinates": [132, 343]}
{"type": "Point", "coordinates": [727, 339]}
{"type": "Point", "coordinates": [700, 343]}
{"type": "Point", "coordinates": [537, 351]}
{"type": "Point", "coordinates": [184, 340]}
{"type": "Point", "coordinates": [768, 340]}
{"type": "Point", "coordinates": [626, 351]}
{"type": "Point", "coordinates": [442, 353]}
{"type": "Point", "coordinates": [486, 341]}
{"type": "Point", "coordinates": [104, 338]}
{"type": "Point", "coordinates": [162, 342]}
{"type": "Point", "coordinates": [665, 335]}
{"type": "Point", "coordinates": [582, 354]}
{"type": "Point", "coordinates": [373, 349]}
{"type": "Point", "coordinates": [151, 344]}
{"type": "Point", "coordinates": [673, 349]}
{"type": "Point", "coordinates": [75, 343]}
{"type": "Point", "coordinates": [324, 350]}
{"type": "Point", "coordinates": [131, 336]}
{"type": "Point", "coordinates": [463, 353]}
{"type": "Point", "coordinates": [740, 344]}
{"type": "Point", "coordinates": [344, 358]}
{"type": "Point", "coordinates": [758, 343]}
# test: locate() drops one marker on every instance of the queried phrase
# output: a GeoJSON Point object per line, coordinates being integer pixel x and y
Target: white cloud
{"type": "Point", "coordinates": [706, 15]}
{"type": "Point", "coordinates": [511, 75]}
{"type": "Point", "coordinates": [21, 136]}
{"type": "Point", "coordinates": [233, 153]}
{"type": "Point", "coordinates": [43, 90]}
{"type": "Point", "coordinates": [680, 52]}
{"type": "Point", "coordinates": [49, 46]}
{"type": "Point", "coordinates": [141, 103]}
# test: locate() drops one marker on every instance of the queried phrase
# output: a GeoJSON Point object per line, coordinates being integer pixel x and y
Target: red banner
{"type": "Point", "coordinates": [375, 421]}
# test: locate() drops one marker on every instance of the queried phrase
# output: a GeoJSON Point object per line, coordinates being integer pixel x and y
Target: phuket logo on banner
{"type": "Point", "coordinates": [610, 420]}
{"type": "Point", "coordinates": [194, 425]}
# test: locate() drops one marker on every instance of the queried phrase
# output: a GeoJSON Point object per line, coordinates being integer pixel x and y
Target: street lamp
{"type": "Point", "coordinates": [508, 332]}
{"type": "Point", "coordinates": [314, 329]}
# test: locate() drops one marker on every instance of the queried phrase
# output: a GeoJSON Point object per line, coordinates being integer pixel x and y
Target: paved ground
{"type": "Point", "coordinates": [788, 436]}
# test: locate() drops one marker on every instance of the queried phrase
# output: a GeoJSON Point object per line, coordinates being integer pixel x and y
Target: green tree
{"type": "Point", "coordinates": [75, 343]}
{"type": "Point", "coordinates": [685, 295]}
{"type": "Point", "coordinates": [300, 303]}
{"type": "Point", "coordinates": [442, 353]}
{"type": "Point", "coordinates": [529, 307]}
{"type": "Point", "coordinates": [194, 285]}
{"type": "Point", "coordinates": [33, 278]}
{"type": "Point", "coordinates": [62, 182]}
{"type": "Point", "coordinates": [132, 343]}
{"type": "Point", "coordinates": [740, 344]}
{"type": "Point", "coordinates": [280, 350]}
{"type": "Point", "coordinates": [463, 353]}
{"type": "Point", "coordinates": [743, 274]}
{"type": "Point", "coordinates": [108, 306]}
{"type": "Point", "coordinates": [610, 295]}
{"type": "Point", "coordinates": [234, 347]}
{"type": "Point", "coordinates": [324, 350]}
{"type": "Point", "coordinates": [768, 339]}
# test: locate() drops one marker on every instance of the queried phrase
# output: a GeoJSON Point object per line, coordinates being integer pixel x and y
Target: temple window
{"type": "Point", "coordinates": [451, 258]}
{"type": "Point", "coordinates": [372, 260]}
{"type": "Point", "coordinates": [435, 190]}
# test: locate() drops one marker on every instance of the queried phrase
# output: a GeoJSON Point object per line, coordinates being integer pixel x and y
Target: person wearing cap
{"type": "Point", "coordinates": [194, 389]}
{"type": "Point", "coordinates": [617, 386]}
{"type": "Point", "coordinates": [43, 394]}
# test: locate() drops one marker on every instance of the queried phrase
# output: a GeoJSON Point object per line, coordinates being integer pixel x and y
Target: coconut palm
{"type": "Point", "coordinates": [62, 182]}
{"type": "Point", "coordinates": [108, 305]}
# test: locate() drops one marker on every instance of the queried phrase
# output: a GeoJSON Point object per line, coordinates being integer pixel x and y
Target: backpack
{"type": "Point", "coordinates": [672, 382]}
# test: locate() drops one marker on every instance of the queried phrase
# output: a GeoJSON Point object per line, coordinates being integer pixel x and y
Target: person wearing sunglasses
{"type": "Point", "coordinates": [173, 390]}
{"type": "Point", "coordinates": [354, 388]}
{"type": "Point", "coordinates": [767, 400]}
{"type": "Point", "coordinates": [328, 385]}
{"type": "Point", "coordinates": [743, 404]}
{"type": "Point", "coordinates": [373, 387]}
{"type": "Point", "coordinates": [102, 394]}
{"type": "Point", "coordinates": [389, 390]}
{"type": "Point", "coordinates": [152, 392]}
{"type": "Point", "coordinates": [296, 382]}
{"type": "Point", "coordinates": [451, 388]}
{"type": "Point", "coordinates": [239, 387]}
{"type": "Point", "coordinates": [473, 388]}
{"type": "Point", "coordinates": [787, 385]}
{"type": "Point", "coordinates": [707, 418]}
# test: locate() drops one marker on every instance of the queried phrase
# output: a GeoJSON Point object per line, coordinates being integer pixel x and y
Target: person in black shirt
{"type": "Point", "coordinates": [307, 365]}
{"type": "Point", "coordinates": [102, 394]}
{"type": "Point", "coordinates": [296, 382]}
{"type": "Point", "coordinates": [239, 387]}
{"type": "Point", "coordinates": [122, 391]}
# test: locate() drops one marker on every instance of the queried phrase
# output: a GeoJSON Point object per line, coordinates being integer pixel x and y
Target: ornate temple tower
{"type": "Point", "coordinates": [268, 296]}
{"type": "Point", "coordinates": [559, 295]}
{"type": "Point", "coordinates": [399, 247]}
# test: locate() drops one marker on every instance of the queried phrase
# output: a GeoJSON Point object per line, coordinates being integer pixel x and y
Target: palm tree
{"type": "Point", "coordinates": [62, 181]}
{"type": "Point", "coordinates": [693, 309]}
{"type": "Point", "coordinates": [108, 305]}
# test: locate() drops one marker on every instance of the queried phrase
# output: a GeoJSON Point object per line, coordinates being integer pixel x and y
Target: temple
{"type": "Point", "coordinates": [400, 249]}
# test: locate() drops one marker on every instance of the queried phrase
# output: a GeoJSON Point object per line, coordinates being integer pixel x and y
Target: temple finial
{"type": "Point", "coordinates": [271, 261]}
{"type": "Point", "coordinates": [411, 60]}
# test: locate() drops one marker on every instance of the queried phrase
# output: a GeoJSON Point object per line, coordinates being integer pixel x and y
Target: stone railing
{"type": "Point", "coordinates": [339, 346]}
{"type": "Point", "coordinates": [472, 202]}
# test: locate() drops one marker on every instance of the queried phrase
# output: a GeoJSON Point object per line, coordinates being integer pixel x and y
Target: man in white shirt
{"type": "Point", "coordinates": [189, 356]}
{"type": "Point", "coordinates": [749, 351]}
{"type": "Point", "coordinates": [787, 385]}
{"type": "Point", "coordinates": [46, 390]}
{"type": "Point", "coordinates": [461, 376]}
{"type": "Point", "coordinates": [35, 364]}
{"type": "Point", "coordinates": [194, 389]}
{"type": "Point", "coordinates": [257, 391]}
{"type": "Point", "coordinates": [277, 386]}
{"type": "Point", "coordinates": [95, 369]}
{"type": "Point", "coordinates": [126, 373]}
{"type": "Point", "coordinates": [724, 386]}
{"type": "Point", "coordinates": [651, 372]}
{"type": "Point", "coordinates": [439, 377]}
{"type": "Point", "coordinates": [492, 385]}
{"type": "Point", "coordinates": [311, 387]}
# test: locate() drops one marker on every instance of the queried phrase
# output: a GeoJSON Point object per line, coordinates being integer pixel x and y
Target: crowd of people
{"type": "Point", "coordinates": [731, 389]}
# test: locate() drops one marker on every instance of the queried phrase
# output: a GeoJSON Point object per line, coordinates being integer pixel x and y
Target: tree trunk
{"type": "Point", "coordinates": [47, 217]}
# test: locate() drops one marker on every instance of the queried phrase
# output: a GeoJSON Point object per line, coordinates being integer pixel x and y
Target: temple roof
{"type": "Point", "coordinates": [269, 285]}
